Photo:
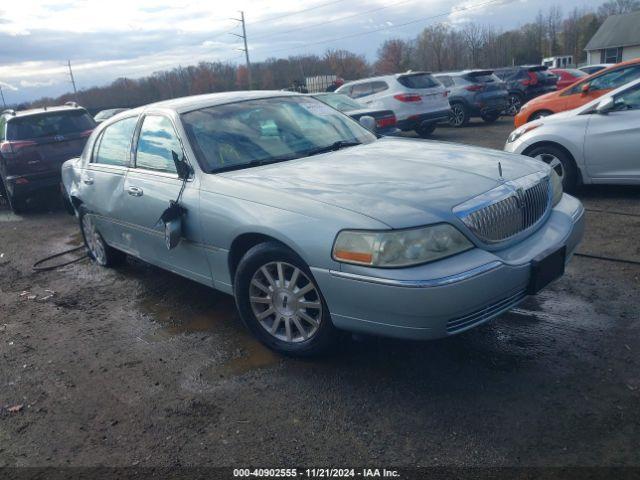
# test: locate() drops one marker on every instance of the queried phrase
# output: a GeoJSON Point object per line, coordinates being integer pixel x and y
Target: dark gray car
{"type": "Point", "coordinates": [474, 93]}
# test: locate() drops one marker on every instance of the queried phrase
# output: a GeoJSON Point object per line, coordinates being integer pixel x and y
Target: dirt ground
{"type": "Point", "coordinates": [137, 366]}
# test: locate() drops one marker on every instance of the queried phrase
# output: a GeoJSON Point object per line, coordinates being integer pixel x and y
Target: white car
{"type": "Point", "coordinates": [591, 69]}
{"type": "Point", "coordinates": [418, 100]}
{"type": "Point", "coordinates": [596, 143]}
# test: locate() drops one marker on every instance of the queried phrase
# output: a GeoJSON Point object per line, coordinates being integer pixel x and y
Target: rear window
{"type": "Point", "coordinates": [418, 80]}
{"type": "Point", "coordinates": [483, 77]}
{"type": "Point", "coordinates": [49, 125]}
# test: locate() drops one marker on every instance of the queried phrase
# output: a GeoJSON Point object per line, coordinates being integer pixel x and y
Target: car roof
{"type": "Point", "coordinates": [37, 111]}
{"type": "Point", "coordinates": [196, 102]}
{"type": "Point", "coordinates": [460, 73]}
{"type": "Point", "coordinates": [386, 77]}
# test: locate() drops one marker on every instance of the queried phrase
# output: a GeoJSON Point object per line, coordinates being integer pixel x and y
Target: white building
{"type": "Point", "coordinates": [617, 40]}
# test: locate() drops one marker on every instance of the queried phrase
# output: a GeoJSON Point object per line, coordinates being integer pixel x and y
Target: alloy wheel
{"type": "Point", "coordinates": [514, 104]}
{"type": "Point", "coordinates": [457, 115]}
{"type": "Point", "coordinates": [554, 162]}
{"type": "Point", "coordinates": [286, 302]}
{"type": "Point", "coordinates": [93, 240]}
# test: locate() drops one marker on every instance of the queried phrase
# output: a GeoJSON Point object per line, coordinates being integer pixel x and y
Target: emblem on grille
{"type": "Point", "coordinates": [58, 138]}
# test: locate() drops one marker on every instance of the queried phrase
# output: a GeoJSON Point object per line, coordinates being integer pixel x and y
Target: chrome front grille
{"type": "Point", "coordinates": [507, 210]}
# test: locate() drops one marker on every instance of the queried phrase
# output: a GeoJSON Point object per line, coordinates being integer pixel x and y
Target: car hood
{"type": "Point", "coordinates": [400, 182]}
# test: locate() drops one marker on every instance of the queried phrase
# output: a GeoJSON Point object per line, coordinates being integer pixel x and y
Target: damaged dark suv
{"type": "Point", "coordinates": [33, 146]}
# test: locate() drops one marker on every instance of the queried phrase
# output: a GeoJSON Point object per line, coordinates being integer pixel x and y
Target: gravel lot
{"type": "Point", "coordinates": [138, 366]}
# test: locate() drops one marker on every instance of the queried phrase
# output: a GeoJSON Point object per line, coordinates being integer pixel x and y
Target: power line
{"type": "Point", "coordinates": [315, 7]}
{"type": "Point", "coordinates": [389, 27]}
{"type": "Point", "coordinates": [246, 48]}
{"type": "Point", "coordinates": [73, 81]}
{"type": "Point", "coordinates": [320, 24]}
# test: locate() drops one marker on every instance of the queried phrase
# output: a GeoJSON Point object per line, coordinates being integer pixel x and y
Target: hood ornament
{"type": "Point", "coordinates": [500, 172]}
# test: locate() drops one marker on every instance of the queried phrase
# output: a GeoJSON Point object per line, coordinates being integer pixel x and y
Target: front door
{"type": "Point", "coordinates": [612, 141]}
{"type": "Point", "coordinates": [149, 187]}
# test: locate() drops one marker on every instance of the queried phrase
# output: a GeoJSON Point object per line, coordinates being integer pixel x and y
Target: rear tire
{"type": "Point", "coordinates": [97, 248]}
{"type": "Point", "coordinates": [425, 129]}
{"type": "Point", "coordinates": [458, 117]}
{"type": "Point", "coordinates": [560, 161]}
{"type": "Point", "coordinates": [272, 306]}
{"type": "Point", "coordinates": [490, 117]}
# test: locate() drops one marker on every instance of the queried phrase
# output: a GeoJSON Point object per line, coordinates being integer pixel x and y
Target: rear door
{"type": "Point", "coordinates": [612, 141]}
{"type": "Point", "coordinates": [102, 181]}
{"type": "Point", "coordinates": [150, 185]}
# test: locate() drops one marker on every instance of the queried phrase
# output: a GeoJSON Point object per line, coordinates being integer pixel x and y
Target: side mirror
{"type": "Point", "coordinates": [585, 88]}
{"type": "Point", "coordinates": [368, 122]}
{"type": "Point", "coordinates": [605, 106]}
{"type": "Point", "coordinates": [183, 169]}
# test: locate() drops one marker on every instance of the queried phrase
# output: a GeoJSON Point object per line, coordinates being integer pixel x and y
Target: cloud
{"type": "Point", "coordinates": [8, 86]}
{"type": "Point", "coordinates": [33, 84]}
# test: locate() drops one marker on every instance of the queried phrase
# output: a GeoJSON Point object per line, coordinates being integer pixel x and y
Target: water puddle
{"type": "Point", "coordinates": [217, 316]}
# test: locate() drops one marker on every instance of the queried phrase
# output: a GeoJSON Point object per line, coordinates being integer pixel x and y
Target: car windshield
{"type": "Point", "coordinates": [257, 132]}
{"type": "Point", "coordinates": [49, 125]}
{"type": "Point", "coordinates": [339, 102]}
{"type": "Point", "coordinates": [104, 114]}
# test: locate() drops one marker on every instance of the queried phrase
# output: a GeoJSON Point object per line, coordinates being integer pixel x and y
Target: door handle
{"type": "Point", "coordinates": [135, 191]}
{"type": "Point", "coordinates": [87, 181]}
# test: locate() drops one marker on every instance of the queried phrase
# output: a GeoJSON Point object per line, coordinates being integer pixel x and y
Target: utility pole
{"type": "Point", "coordinates": [73, 82]}
{"type": "Point", "coordinates": [245, 49]}
{"type": "Point", "coordinates": [2, 95]}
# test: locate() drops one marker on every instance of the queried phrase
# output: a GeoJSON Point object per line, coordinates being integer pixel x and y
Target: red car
{"type": "Point", "coordinates": [33, 146]}
{"type": "Point", "coordinates": [567, 76]}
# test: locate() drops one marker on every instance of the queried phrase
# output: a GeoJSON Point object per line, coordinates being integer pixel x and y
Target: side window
{"type": "Point", "coordinates": [629, 100]}
{"type": "Point", "coordinates": [377, 87]}
{"type": "Point", "coordinates": [361, 90]}
{"type": "Point", "coordinates": [114, 147]}
{"type": "Point", "coordinates": [156, 143]}
{"type": "Point", "coordinates": [615, 79]}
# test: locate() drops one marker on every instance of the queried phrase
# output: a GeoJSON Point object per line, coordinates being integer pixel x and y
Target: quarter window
{"type": "Point", "coordinates": [156, 145]}
{"type": "Point", "coordinates": [629, 100]}
{"type": "Point", "coordinates": [361, 90]}
{"type": "Point", "coordinates": [114, 146]}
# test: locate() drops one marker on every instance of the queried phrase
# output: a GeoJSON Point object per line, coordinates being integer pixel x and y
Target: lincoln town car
{"type": "Point", "coordinates": [316, 224]}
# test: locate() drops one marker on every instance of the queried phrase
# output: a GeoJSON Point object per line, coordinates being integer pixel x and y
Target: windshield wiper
{"type": "Point", "coordinates": [254, 163]}
{"type": "Point", "coordinates": [333, 147]}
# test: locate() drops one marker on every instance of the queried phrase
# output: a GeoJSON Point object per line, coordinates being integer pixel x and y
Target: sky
{"type": "Point", "coordinates": [105, 40]}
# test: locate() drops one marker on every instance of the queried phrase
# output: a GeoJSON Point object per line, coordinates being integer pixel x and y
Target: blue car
{"type": "Point", "coordinates": [317, 225]}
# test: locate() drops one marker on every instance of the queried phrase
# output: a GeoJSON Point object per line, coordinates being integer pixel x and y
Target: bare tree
{"type": "Point", "coordinates": [617, 7]}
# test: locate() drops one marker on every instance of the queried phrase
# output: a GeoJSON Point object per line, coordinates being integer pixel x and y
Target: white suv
{"type": "Point", "coordinates": [417, 98]}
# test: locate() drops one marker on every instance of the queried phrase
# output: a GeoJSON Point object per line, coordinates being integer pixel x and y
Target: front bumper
{"type": "Point", "coordinates": [449, 296]}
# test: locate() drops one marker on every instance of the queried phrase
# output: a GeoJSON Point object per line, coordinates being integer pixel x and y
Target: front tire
{"type": "Point", "coordinates": [97, 248]}
{"type": "Point", "coordinates": [280, 302]}
{"type": "Point", "coordinates": [560, 161]}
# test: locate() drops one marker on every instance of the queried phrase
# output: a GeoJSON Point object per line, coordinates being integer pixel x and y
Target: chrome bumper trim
{"type": "Point", "coordinates": [436, 282]}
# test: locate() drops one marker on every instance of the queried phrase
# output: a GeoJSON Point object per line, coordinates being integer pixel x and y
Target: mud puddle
{"type": "Point", "coordinates": [215, 317]}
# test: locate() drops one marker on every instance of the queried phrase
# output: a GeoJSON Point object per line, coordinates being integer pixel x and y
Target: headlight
{"type": "Point", "coordinates": [556, 185]}
{"type": "Point", "coordinates": [399, 248]}
{"type": "Point", "coordinates": [516, 134]}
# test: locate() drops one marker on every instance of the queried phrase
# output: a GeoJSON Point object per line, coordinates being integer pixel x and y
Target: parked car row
{"type": "Point", "coordinates": [598, 142]}
{"type": "Point", "coordinates": [579, 93]}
